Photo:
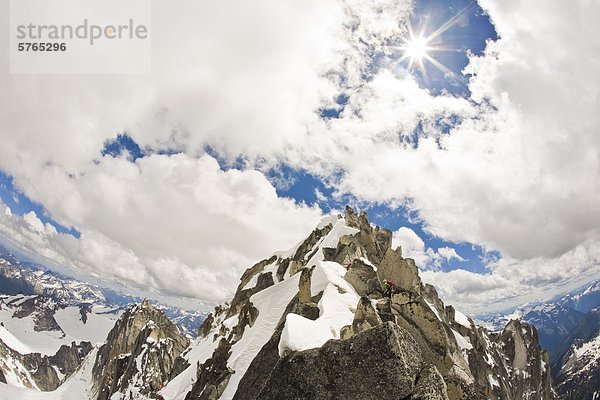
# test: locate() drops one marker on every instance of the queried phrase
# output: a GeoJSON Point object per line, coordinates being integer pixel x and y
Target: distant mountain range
{"type": "Point", "coordinates": [18, 276]}
{"type": "Point", "coordinates": [569, 329]}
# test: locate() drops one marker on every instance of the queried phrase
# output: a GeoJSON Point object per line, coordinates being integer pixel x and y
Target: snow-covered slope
{"type": "Point", "coordinates": [42, 326]}
{"type": "Point", "coordinates": [77, 387]}
{"type": "Point", "coordinates": [137, 357]}
{"type": "Point", "coordinates": [48, 323]}
{"type": "Point", "coordinates": [19, 277]}
{"type": "Point", "coordinates": [25, 278]}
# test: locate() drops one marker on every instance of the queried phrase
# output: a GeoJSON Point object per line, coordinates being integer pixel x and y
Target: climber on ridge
{"type": "Point", "coordinates": [388, 287]}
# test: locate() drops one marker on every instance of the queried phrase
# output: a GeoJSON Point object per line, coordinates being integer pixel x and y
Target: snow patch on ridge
{"type": "Point", "coordinates": [271, 304]}
{"type": "Point", "coordinates": [462, 319]}
{"type": "Point", "coordinates": [336, 311]}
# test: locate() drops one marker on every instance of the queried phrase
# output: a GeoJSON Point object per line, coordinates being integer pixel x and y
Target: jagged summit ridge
{"type": "Point", "coordinates": [340, 315]}
{"type": "Point", "coordinates": [296, 316]}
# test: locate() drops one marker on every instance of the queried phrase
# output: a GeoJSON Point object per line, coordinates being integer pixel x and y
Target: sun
{"type": "Point", "coordinates": [419, 48]}
{"type": "Point", "coordinates": [416, 48]}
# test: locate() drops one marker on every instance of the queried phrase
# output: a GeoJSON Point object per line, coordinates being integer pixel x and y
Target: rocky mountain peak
{"type": "Point", "coordinates": [345, 313]}
{"type": "Point", "coordinates": [139, 353]}
{"type": "Point", "coordinates": [340, 315]}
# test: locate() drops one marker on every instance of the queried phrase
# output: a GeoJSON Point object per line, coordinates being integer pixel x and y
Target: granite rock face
{"type": "Point", "coordinates": [379, 363]}
{"type": "Point", "coordinates": [68, 358]}
{"type": "Point", "coordinates": [401, 342]}
{"type": "Point", "coordinates": [138, 355]}
{"type": "Point", "coordinates": [430, 385]}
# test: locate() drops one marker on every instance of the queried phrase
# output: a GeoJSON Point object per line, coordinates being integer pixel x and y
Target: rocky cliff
{"type": "Point", "coordinates": [138, 356]}
{"type": "Point", "coordinates": [319, 322]}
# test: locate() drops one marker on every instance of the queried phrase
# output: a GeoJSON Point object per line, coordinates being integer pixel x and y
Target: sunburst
{"type": "Point", "coordinates": [418, 49]}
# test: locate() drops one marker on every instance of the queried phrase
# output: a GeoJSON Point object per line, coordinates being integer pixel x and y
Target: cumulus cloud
{"type": "Point", "coordinates": [519, 172]}
{"type": "Point", "coordinates": [509, 282]}
{"type": "Point", "coordinates": [412, 245]}
{"type": "Point", "coordinates": [244, 78]}
{"type": "Point", "coordinates": [174, 224]}
{"type": "Point", "coordinates": [513, 168]}
{"type": "Point", "coordinates": [425, 257]}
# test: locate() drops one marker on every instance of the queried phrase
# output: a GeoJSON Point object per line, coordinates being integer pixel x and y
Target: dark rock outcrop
{"type": "Point", "coordinates": [267, 358]}
{"type": "Point", "coordinates": [213, 375]}
{"type": "Point", "coordinates": [68, 358]}
{"type": "Point", "coordinates": [43, 313]}
{"type": "Point", "coordinates": [206, 326]}
{"type": "Point", "coordinates": [42, 372]}
{"type": "Point", "coordinates": [380, 363]}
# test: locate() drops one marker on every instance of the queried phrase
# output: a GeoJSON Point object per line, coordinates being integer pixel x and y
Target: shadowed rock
{"type": "Point", "coordinates": [363, 278]}
{"type": "Point", "coordinates": [347, 250]}
{"type": "Point", "coordinates": [142, 337]}
{"type": "Point", "coordinates": [206, 326]}
{"type": "Point", "coordinates": [68, 358]}
{"type": "Point", "coordinates": [402, 271]}
{"type": "Point", "coordinates": [213, 375]}
{"type": "Point", "coordinates": [380, 363]}
{"type": "Point", "coordinates": [254, 270]}
{"type": "Point", "coordinates": [366, 316]}
{"type": "Point", "coordinates": [267, 358]}
{"type": "Point", "coordinates": [430, 386]}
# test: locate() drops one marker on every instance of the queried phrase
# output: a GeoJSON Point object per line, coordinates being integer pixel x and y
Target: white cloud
{"type": "Point", "coordinates": [519, 174]}
{"type": "Point", "coordinates": [170, 223]}
{"type": "Point", "coordinates": [245, 78]}
{"type": "Point", "coordinates": [320, 196]}
{"type": "Point", "coordinates": [509, 282]}
{"type": "Point", "coordinates": [425, 257]}
{"type": "Point", "coordinates": [37, 225]}
{"type": "Point", "coordinates": [412, 245]}
{"type": "Point", "coordinates": [449, 253]}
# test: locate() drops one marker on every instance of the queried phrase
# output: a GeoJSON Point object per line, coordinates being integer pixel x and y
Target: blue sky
{"type": "Point", "coordinates": [468, 35]}
{"type": "Point", "coordinates": [20, 204]}
{"type": "Point", "coordinates": [303, 187]}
